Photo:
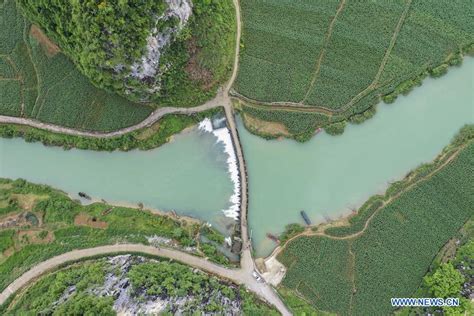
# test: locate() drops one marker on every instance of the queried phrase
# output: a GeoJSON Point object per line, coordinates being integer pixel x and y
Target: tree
{"type": "Point", "coordinates": [83, 304]}
{"type": "Point", "coordinates": [445, 282]}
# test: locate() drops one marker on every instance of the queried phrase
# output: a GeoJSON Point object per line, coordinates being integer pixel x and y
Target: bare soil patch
{"type": "Point", "coordinates": [49, 47]}
{"type": "Point", "coordinates": [18, 219]}
{"type": "Point", "coordinates": [341, 221]}
{"type": "Point", "coordinates": [265, 127]}
{"type": "Point", "coordinates": [7, 253]}
{"type": "Point", "coordinates": [12, 220]}
{"type": "Point", "coordinates": [85, 220]}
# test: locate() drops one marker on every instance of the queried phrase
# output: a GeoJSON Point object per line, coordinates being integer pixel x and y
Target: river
{"type": "Point", "coordinates": [330, 175]}
{"type": "Point", "coordinates": [188, 175]}
{"type": "Point", "coordinates": [327, 176]}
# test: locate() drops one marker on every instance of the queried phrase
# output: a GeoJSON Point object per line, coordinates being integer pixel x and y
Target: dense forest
{"type": "Point", "coordinates": [142, 49]}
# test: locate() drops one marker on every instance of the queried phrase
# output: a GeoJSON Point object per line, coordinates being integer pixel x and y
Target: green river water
{"type": "Point", "coordinates": [330, 175]}
{"type": "Point", "coordinates": [188, 175]}
{"type": "Point", "coordinates": [326, 176]}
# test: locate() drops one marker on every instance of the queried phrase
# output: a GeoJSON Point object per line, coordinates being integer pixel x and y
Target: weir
{"type": "Point", "coordinates": [223, 136]}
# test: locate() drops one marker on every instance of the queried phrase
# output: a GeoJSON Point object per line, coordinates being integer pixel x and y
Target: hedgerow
{"type": "Point", "coordinates": [336, 128]}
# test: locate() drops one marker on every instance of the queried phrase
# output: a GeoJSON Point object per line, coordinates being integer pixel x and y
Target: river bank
{"type": "Point", "coordinates": [160, 179]}
{"type": "Point", "coordinates": [329, 177]}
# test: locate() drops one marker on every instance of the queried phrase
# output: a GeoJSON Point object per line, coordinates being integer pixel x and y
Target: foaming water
{"type": "Point", "coordinates": [189, 175]}
{"type": "Point", "coordinates": [223, 136]}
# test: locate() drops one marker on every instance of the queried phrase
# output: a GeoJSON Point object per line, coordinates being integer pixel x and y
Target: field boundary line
{"type": "Point", "coordinates": [322, 109]}
{"type": "Point", "coordinates": [12, 64]}
{"type": "Point", "coordinates": [30, 55]}
{"type": "Point", "coordinates": [352, 276]}
{"type": "Point", "coordinates": [45, 95]}
{"type": "Point", "coordinates": [393, 41]}
{"type": "Point", "coordinates": [283, 106]}
{"type": "Point", "coordinates": [20, 80]}
{"type": "Point", "coordinates": [323, 51]}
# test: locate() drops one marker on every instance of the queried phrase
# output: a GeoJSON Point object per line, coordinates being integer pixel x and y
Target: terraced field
{"type": "Point", "coordinates": [342, 57]}
{"type": "Point", "coordinates": [37, 81]}
{"type": "Point", "coordinates": [391, 242]}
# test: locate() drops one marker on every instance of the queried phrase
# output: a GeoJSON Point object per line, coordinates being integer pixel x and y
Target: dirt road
{"type": "Point", "coordinates": [239, 276]}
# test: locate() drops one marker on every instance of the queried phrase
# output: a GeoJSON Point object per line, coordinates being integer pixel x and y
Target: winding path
{"type": "Point", "coordinates": [445, 159]}
{"type": "Point", "coordinates": [239, 276]}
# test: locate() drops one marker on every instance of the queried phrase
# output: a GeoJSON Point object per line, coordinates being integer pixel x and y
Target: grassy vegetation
{"type": "Point", "coordinates": [70, 225]}
{"type": "Point", "coordinates": [290, 231]}
{"type": "Point", "coordinates": [109, 44]}
{"type": "Point", "coordinates": [40, 83]}
{"type": "Point", "coordinates": [181, 287]}
{"type": "Point", "coordinates": [346, 56]}
{"type": "Point", "coordinates": [6, 239]}
{"type": "Point", "coordinates": [143, 139]}
{"type": "Point", "coordinates": [302, 126]}
{"type": "Point", "coordinates": [358, 275]}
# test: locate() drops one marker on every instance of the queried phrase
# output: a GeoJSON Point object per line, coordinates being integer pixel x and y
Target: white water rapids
{"type": "Point", "coordinates": [224, 137]}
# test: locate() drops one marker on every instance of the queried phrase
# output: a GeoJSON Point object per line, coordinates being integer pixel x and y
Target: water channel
{"type": "Point", "coordinates": [327, 176]}
{"type": "Point", "coordinates": [188, 175]}
{"type": "Point", "coordinates": [330, 175]}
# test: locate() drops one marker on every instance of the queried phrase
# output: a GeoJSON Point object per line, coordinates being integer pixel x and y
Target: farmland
{"type": "Point", "coordinates": [146, 138]}
{"type": "Point", "coordinates": [179, 288]}
{"type": "Point", "coordinates": [344, 57]}
{"type": "Point", "coordinates": [38, 222]}
{"type": "Point", "coordinates": [390, 244]}
{"type": "Point", "coordinates": [41, 84]}
{"type": "Point", "coordinates": [159, 51]}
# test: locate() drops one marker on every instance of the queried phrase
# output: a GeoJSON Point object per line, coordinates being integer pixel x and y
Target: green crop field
{"type": "Point", "coordinates": [343, 55]}
{"type": "Point", "coordinates": [359, 274]}
{"type": "Point", "coordinates": [38, 84]}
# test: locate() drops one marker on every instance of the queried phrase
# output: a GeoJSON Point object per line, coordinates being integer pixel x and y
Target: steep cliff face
{"type": "Point", "coordinates": [162, 51]}
{"type": "Point", "coordinates": [148, 68]}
